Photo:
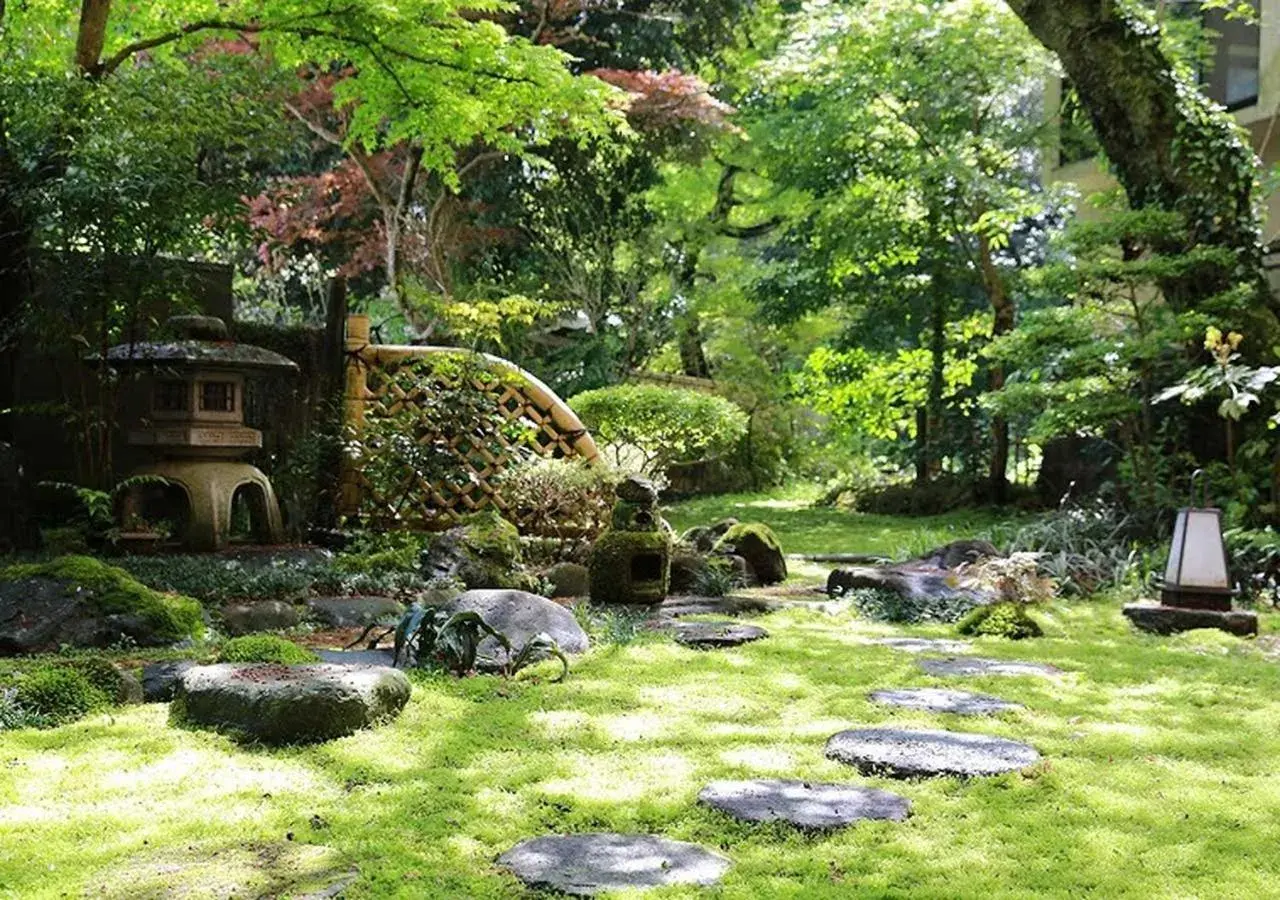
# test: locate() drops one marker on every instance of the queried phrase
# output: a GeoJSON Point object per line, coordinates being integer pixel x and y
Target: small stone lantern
{"type": "Point", "coordinates": [631, 561]}
{"type": "Point", "coordinates": [1196, 591]}
{"type": "Point", "coordinates": [194, 427]}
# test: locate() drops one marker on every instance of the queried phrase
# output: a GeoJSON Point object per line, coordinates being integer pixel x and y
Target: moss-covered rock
{"type": "Point", "coordinates": [631, 567]}
{"type": "Point", "coordinates": [759, 546]}
{"type": "Point", "coordinates": [483, 551]}
{"type": "Point", "coordinates": [80, 601]}
{"type": "Point", "coordinates": [1007, 620]}
{"type": "Point", "coordinates": [56, 694]}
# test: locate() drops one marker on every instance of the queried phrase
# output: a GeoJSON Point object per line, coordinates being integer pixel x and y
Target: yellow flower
{"type": "Point", "coordinates": [1212, 338]}
{"type": "Point", "coordinates": [1234, 339]}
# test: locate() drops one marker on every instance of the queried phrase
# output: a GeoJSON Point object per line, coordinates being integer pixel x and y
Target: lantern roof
{"type": "Point", "coordinates": [201, 343]}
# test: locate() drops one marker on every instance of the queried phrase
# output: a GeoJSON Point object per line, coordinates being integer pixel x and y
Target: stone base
{"type": "Point", "coordinates": [1158, 619]}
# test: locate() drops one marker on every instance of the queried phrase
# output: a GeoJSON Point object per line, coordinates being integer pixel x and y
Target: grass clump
{"type": "Point", "coordinates": [55, 695]}
{"type": "Point", "coordinates": [1006, 620]}
{"type": "Point", "coordinates": [264, 648]}
{"type": "Point", "coordinates": [114, 591]}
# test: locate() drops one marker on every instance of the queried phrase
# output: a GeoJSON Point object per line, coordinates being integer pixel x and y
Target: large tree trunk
{"type": "Point", "coordinates": [1167, 145]}
{"type": "Point", "coordinates": [1003, 316]}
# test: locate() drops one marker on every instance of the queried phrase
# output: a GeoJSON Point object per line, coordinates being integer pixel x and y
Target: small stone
{"type": "Point", "coordinates": [160, 680]}
{"type": "Point", "coordinates": [352, 612]}
{"type": "Point", "coordinates": [976, 665]}
{"type": "Point", "coordinates": [569, 579]}
{"type": "Point", "coordinates": [803, 804]}
{"type": "Point", "coordinates": [939, 700]}
{"type": "Point", "coordinates": [587, 864]}
{"type": "Point", "coordinates": [924, 645]}
{"type": "Point", "coordinates": [1156, 618]}
{"type": "Point", "coordinates": [706, 635]}
{"type": "Point", "coordinates": [265, 615]}
{"type": "Point", "coordinates": [907, 753]}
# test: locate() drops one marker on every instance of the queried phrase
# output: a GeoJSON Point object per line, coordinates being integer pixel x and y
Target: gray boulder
{"type": "Point", "coordinates": [160, 680]}
{"type": "Point", "coordinates": [277, 704]}
{"type": "Point", "coordinates": [264, 615]}
{"type": "Point", "coordinates": [520, 616]}
{"type": "Point", "coordinates": [353, 612]}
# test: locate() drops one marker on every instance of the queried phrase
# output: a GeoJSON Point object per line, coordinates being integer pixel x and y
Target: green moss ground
{"type": "Point", "coordinates": [1160, 777]}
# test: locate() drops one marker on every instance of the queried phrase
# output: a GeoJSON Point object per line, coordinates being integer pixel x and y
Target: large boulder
{"type": "Point", "coordinates": [759, 546]}
{"type": "Point", "coordinates": [520, 617]}
{"type": "Point", "coordinates": [482, 552]}
{"type": "Point", "coordinates": [79, 601]}
{"type": "Point", "coordinates": [703, 538]}
{"type": "Point", "coordinates": [277, 704]}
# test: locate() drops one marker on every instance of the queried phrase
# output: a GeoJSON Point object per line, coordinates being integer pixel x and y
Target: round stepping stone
{"type": "Point", "coordinates": [802, 803]}
{"type": "Point", "coordinates": [907, 752]}
{"type": "Point", "coordinates": [717, 634]}
{"type": "Point", "coordinates": [976, 665]}
{"type": "Point", "coordinates": [941, 700]}
{"type": "Point", "coordinates": [924, 645]}
{"type": "Point", "coordinates": [586, 864]}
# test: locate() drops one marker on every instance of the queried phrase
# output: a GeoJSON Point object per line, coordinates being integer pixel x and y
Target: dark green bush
{"type": "Point", "coordinates": [381, 552]}
{"type": "Point", "coordinates": [264, 648]}
{"type": "Point", "coordinates": [889, 606]}
{"type": "Point", "coordinates": [57, 694]}
{"type": "Point", "coordinates": [1006, 620]}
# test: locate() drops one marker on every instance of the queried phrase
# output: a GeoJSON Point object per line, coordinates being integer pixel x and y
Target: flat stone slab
{"type": "Point", "coordinates": [962, 703]}
{"type": "Point", "coordinates": [706, 635]}
{"type": "Point", "coordinates": [376, 657]}
{"type": "Point", "coordinates": [924, 645]}
{"type": "Point", "coordinates": [977, 665]}
{"type": "Point", "coordinates": [802, 803]}
{"type": "Point", "coordinates": [586, 864]}
{"type": "Point", "coordinates": [1159, 619]}
{"type": "Point", "coordinates": [909, 752]}
{"type": "Point", "coordinates": [278, 704]}
{"type": "Point", "coordinates": [350, 612]}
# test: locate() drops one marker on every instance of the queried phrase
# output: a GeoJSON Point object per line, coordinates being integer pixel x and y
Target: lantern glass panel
{"type": "Point", "coordinates": [1197, 558]}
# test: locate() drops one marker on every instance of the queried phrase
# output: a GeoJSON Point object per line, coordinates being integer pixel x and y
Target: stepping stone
{"type": "Point", "coordinates": [941, 700]}
{"type": "Point", "coordinates": [908, 752]}
{"type": "Point", "coordinates": [925, 645]}
{"type": "Point", "coordinates": [802, 803]}
{"type": "Point", "coordinates": [976, 665]}
{"type": "Point", "coordinates": [586, 864]}
{"type": "Point", "coordinates": [705, 635]}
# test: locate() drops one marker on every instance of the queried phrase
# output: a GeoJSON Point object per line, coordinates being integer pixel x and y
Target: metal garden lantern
{"type": "Point", "coordinates": [1198, 575]}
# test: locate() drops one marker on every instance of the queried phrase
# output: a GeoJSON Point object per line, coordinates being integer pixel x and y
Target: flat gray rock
{"type": "Point", "coordinates": [924, 645]}
{"type": "Point", "coordinates": [909, 752]}
{"type": "Point", "coordinates": [277, 704]}
{"type": "Point", "coordinates": [802, 803]}
{"type": "Point", "coordinates": [520, 616]}
{"type": "Point", "coordinates": [706, 635]}
{"type": "Point", "coordinates": [377, 657]}
{"type": "Point", "coordinates": [977, 665]}
{"type": "Point", "coordinates": [941, 700]}
{"type": "Point", "coordinates": [586, 864]}
{"type": "Point", "coordinates": [349, 612]}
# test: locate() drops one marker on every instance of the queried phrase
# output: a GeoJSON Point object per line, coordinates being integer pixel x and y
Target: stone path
{"type": "Point", "coordinates": [802, 803]}
{"type": "Point", "coordinates": [907, 752]}
{"type": "Point", "coordinates": [941, 700]}
{"type": "Point", "coordinates": [924, 645]}
{"type": "Point", "coordinates": [707, 635]}
{"type": "Point", "coordinates": [586, 864]}
{"type": "Point", "coordinates": [976, 665]}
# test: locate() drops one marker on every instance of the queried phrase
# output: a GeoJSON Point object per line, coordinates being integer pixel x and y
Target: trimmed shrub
{"type": "Point", "coordinates": [57, 694]}
{"type": "Point", "coordinates": [559, 498]}
{"type": "Point", "coordinates": [652, 428]}
{"type": "Point", "coordinates": [1006, 620]}
{"type": "Point", "coordinates": [264, 648]}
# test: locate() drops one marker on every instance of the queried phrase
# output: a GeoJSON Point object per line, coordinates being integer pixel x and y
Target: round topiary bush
{"type": "Point", "coordinates": [264, 648]}
{"type": "Point", "coordinates": [660, 426]}
{"type": "Point", "coordinates": [55, 695]}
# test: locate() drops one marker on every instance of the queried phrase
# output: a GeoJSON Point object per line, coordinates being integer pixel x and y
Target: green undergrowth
{"type": "Point", "coordinates": [804, 528]}
{"type": "Point", "coordinates": [264, 648]}
{"type": "Point", "coordinates": [115, 591]}
{"type": "Point", "coordinates": [1158, 778]}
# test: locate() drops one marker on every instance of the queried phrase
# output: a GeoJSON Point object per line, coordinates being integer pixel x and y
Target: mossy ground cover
{"type": "Point", "coordinates": [1159, 778]}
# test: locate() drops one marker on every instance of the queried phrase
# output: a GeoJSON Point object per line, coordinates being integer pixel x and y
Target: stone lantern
{"type": "Point", "coordinates": [193, 426]}
{"type": "Point", "coordinates": [1196, 591]}
{"type": "Point", "coordinates": [631, 561]}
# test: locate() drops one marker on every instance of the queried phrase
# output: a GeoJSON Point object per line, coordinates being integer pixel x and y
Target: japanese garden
{"type": "Point", "coordinates": [747, 448]}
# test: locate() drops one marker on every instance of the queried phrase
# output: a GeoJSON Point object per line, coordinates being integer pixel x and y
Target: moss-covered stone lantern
{"type": "Point", "coordinates": [631, 561]}
{"type": "Point", "coordinates": [193, 426]}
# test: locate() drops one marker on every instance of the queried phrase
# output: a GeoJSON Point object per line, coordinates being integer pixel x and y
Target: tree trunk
{"type": "Point", "coordinates": [1003, 313]}
{"type": "Point", "coordinates": [16, 277]}
{"type": "Point", "coordinates": [1167, 145]}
